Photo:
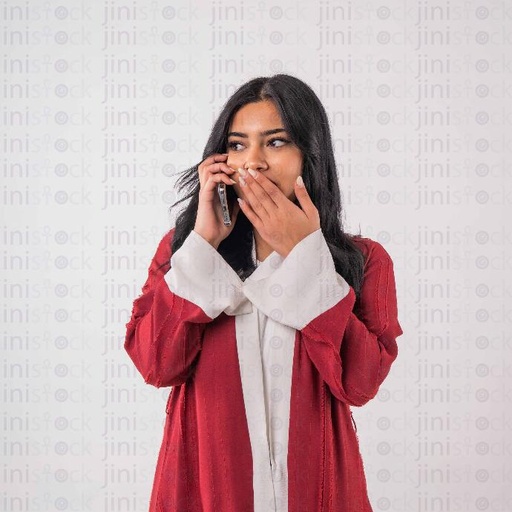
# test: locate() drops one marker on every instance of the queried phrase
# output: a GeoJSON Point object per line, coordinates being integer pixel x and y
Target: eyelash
{"type": "Point", "coordinates": [232, 144]}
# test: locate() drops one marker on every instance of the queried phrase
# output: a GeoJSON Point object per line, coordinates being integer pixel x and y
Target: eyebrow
{"type": "Point", "coordinates": [263, 134]}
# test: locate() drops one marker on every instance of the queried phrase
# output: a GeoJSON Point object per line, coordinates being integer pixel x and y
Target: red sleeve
{"type": "Point", "coordinates": [164, 334]}
{"type": "Point", "coordinates": [353, 351]}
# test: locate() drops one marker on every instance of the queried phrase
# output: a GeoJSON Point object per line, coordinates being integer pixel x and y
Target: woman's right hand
{"type": "Point", "coordinates": [209, 221]}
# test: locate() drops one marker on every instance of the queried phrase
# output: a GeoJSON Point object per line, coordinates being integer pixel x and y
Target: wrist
{"type": "Point", "coordinates": [213, 243]}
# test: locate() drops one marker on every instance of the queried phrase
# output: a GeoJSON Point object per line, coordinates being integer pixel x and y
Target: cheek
{"type": "Point", "coordinates": [234, 162]}
{"type": "Point", "coordinates": [297, 171]}
{"type": "Point", "coordinates": [292, 167]}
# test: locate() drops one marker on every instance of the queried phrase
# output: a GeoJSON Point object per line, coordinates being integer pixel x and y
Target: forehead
{"type": "Point", "coordinates": [257, 116]}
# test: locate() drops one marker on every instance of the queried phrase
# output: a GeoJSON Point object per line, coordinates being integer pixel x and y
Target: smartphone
{"type": "Point", "coordinates": [221, 189]}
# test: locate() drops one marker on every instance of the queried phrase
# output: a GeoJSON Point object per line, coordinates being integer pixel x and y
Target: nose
{"type": "Point", "coordinates": [255, 158]}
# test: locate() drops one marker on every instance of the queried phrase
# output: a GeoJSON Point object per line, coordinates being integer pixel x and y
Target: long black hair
{"type": "Point", "coordinates": [306, 122]}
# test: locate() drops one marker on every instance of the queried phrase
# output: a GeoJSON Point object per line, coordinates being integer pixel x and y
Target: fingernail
{"type": "Point", "coordinates": [253, 173]}
{"type": "Point", "coordinates": [242, 182]}
{"type": "Point", "coordinates": [300, 182]}
{"type": "Point", "coordinates": [240, 201]}
{"type": "Point", "coordinates": [242, 172]}
{"type": "Point", "coordinates": [232, 181]}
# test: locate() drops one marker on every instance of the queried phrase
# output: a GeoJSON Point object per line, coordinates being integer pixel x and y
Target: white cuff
{"type": "Point", "coordinates": [200, 275]}
{"type": "Point", "coordinates": [302, 287]}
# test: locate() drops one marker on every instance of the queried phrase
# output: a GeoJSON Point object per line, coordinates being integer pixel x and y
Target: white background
{"type": "Point", "coordinates": [102, 103]}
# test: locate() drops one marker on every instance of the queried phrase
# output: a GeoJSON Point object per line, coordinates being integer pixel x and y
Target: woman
{"type": "Point", "coordinates": [268, 329]}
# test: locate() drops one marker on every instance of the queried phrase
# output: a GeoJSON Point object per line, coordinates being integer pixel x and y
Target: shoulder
{"type": "Point", "coordinates": [166, 240]}
{"type": "Point", "coordinates": [163, 253]}
{"type": "Point", "coordinates": [372, 250]}
{"type": "Point", "coordinates": [378, 290]}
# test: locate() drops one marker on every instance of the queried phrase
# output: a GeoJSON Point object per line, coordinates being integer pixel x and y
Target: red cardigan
{"type": "Point", "coordinates": [341, 358]}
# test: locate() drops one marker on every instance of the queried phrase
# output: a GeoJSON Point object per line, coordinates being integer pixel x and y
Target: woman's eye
{"type": "Point", "coordinates": [277, 143]}
{"type": "Point", "coordinates": [235, 146]}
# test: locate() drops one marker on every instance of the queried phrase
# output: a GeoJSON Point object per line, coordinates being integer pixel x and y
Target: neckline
{"type": "Point", "coordinates": [267, 266]}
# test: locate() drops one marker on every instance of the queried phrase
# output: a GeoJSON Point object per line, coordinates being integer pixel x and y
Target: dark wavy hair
{"type": "Point", "coordinates": [307, 125]}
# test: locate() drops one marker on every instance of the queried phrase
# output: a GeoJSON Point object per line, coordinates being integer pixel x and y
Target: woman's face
{"type": "Point", "coordinates": [257, 140]}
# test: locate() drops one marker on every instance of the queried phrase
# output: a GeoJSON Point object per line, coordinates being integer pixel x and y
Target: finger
{"type": "Point", "coordinates": [216, 167]}
{"type": "Point", "coordinates": [256, 197]}
{"type": "Point", "coordinates": [212, 159]}
{"type": "Point", "coordinates": [219, 167]}
{"type": "Point", "coordinates": [209, 190]}
{"type": "Point", "coordinates": [302, 195]}
{"type": "Point", "coordinates": [214, 179]}
{"type": "Point", "coordinates": [249, 213]}
{"type": "Point", "coordinates": [216, 157]}
{"type": "Point", "coordinates": [266, 190]}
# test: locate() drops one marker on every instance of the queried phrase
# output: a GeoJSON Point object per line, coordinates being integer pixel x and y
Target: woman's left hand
{"type": "Point", "coordinates": [280, 222]}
